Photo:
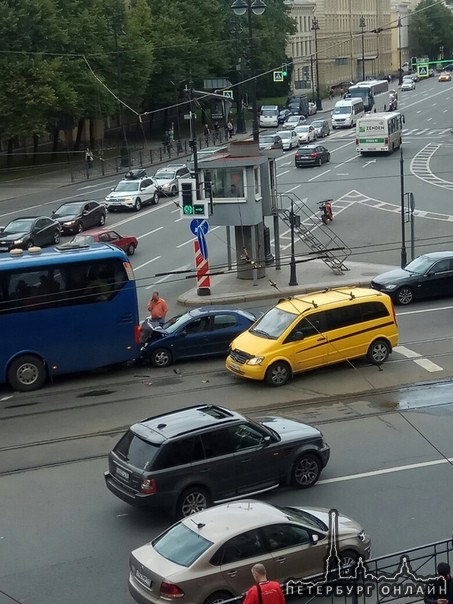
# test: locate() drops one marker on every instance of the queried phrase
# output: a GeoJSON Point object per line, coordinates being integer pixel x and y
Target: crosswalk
{"type": "Point", "coordinates": [407, 132]}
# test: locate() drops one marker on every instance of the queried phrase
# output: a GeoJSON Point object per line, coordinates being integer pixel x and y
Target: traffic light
{"type": "Point", "coordinates": [187, 198]}
{"type": "Point", "coordinates": [285, 69]}
{"type": "Point", "coordinates": [413, 62]}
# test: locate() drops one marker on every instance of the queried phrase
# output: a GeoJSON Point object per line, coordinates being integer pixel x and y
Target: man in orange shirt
{"type": "Point", "coordinates": [158, 308]}
{"type": "Point", "coordinates": [264, 591]}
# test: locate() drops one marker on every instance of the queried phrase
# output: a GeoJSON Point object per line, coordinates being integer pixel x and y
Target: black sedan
{"type": "Point", "coordinates": [428, 276]}
{"type": "Point", "coordinates": [283, 115]}
{"type": "Point", "coordinates": [311, 155]}
{"type": "Point", "coordinates": [26, 232]}
{"type": "Point", "coordinates": [76, 216]}
{"type": "Point", "coordinates": [201, 332]}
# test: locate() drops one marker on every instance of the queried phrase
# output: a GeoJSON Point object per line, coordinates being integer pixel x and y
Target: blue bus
{"type": "Point", "coordinates": [65, 309]}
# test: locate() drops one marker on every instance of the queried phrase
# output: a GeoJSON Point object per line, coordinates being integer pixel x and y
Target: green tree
{"type": "Point", "coordinates": [431, 30]}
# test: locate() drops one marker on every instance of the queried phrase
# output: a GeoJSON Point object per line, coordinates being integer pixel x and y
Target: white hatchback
{"type": "Point", "coordinates": [306, 134]}
{"type": "Point", "coordinates": [289, 138]}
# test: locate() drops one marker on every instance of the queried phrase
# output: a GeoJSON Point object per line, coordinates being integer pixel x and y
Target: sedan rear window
{"type": "Point", "coordinates": [136, 451]}
{"type": "Point", "coordinates": [181, 545]}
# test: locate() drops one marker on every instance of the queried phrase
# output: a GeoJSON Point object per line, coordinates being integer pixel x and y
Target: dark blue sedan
{"type": "Point", "coordinates": [201, 332]}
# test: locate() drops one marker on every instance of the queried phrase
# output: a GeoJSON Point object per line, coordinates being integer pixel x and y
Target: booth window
{"type": "Point", "coordinates": [227, 182]}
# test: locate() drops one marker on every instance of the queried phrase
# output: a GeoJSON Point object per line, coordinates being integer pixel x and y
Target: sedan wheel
{"type": "Point", "coordinates": [306, 471]}
{"type": "Point", "coordinates": [161, 358]}
{"type": "Point", "coordinates": [404, 295]}
{"type": "Point", "coordinates": [102, 220]}
{"type": "Point", "coordinates": [174, 191]}
{"type": "Point", "coordinates": [378, 352]}
{"type": "Point", "coordinates": [130, 250]}
{"type": "Point", "coordinates": [319, 162]}
{"type": "Point", "coordinates": [217, 597]}
{"type": "Point", "coordinates": [56, 237]}
{"type": "Point", "coordinates": [79, 227]}
{"type": "Point", "coordinates": [193, 500]}
{"type": "Point", "coordinates": [30, 244]}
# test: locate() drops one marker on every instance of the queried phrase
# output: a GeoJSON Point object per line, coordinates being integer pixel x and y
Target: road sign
{"type": "Point", "coordinates": [228, 94]}
{"type": "Point", "coordinates": [200, 228]}
{"type": "Point", "coordinates": [422, 70]}
{"type": "Point", "coordinates": [278, 76]}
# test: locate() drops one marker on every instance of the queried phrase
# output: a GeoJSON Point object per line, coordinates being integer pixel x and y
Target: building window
{"type": "Point", "coordinates": [256, 174]}
{"type": "Point", "coordinates": [341, 60]}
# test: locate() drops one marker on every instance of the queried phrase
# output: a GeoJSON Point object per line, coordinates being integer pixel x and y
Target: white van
{"type": "Point", "coordinates": [269, 116]}
{"type": "Point", "coordinates": [346, 113]}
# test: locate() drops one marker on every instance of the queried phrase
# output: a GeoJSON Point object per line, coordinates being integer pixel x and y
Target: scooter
{"type": "Point", "coordinates": [326, 210]}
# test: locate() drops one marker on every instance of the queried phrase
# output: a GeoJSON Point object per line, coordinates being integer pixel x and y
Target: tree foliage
{"type": "Point", "coordinates": [70, 59]}
{"type": "Point", "coordinates": [431, 30]}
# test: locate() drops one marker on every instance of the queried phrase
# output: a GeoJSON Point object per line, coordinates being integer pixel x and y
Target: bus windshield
{"type": "Point", "coordinates": [64, 311]}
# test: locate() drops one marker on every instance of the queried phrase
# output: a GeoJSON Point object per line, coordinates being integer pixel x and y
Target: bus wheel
{"type": "Point", "coordinates": [26, 373]}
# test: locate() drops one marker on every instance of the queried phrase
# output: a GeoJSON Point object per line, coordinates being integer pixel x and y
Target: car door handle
{"type": "Point", "coordinates": [232, 573]}
{"type": "Point", "coordinates": [281, 559]}
{"type": "Point", "coordinates": [245, 460]}
{"type": "Point", "coordinates": [321, 339]}
{"type": "Point", "coordinates": [205, 470]}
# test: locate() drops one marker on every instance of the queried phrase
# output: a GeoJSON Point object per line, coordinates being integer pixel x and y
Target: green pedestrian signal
{"type": "Point", "coordinates": [187, 198]}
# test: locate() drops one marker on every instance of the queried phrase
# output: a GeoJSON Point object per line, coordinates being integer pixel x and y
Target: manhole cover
{"type": "Point", "coordinates": [95, 393]}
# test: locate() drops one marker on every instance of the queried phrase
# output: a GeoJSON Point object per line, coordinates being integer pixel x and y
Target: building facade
{"type": "Point", "coordinates": [354, 38]}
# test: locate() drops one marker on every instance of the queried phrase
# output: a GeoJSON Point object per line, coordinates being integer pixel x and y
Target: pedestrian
{"type": "Point", "coordinates": [207, 134]}
{"type": "Point", "coordinates": [331, 93]}
{"type": "Point", "coordinates": [230, 128]}
{"type": "Point", "coordinates": [216, 130]}
{"type": "Point", "coordinates": [264, 591]}
{"type": "Point", "coordinates": [440, 591]}
{"type": "Point", "coordinates": [89, 157]}
{"type": "Point", "coordinates": [158, 308]}
{"type": "Point", "coordinates": [166, 142]}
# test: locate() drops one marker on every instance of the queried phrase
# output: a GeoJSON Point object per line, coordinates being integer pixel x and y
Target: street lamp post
{"type": "Point", "coordinates": [403, 215]}
{"type": "Point", "coordinates": [315, 29]}
{"type": "Point", "coordinates": [124, 150]}
{"type": "Point", "coordinates": [400, 69]}
{"type": "Point", "coordinates": [362, 27]}
{"type": "Point", "coordinates": [240, 122]}
{"type": "Point", "coordinates": [256, 7]}
{"type": "Point", "coordinates": [292, 262]}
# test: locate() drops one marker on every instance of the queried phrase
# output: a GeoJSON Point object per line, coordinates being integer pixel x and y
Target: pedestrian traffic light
{"type": "Point", "coordinates": [187, 190]}
{"type": "Point", "coordinates": [285, 70]}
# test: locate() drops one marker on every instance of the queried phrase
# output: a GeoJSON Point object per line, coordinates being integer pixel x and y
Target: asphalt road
{"type": "Point", "coordinates": [64, 537]}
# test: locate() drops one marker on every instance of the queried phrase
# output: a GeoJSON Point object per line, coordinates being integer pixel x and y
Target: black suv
{"type": "Point", "coordinates": [186, 460]}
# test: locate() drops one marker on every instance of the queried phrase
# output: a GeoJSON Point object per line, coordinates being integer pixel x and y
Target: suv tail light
{"type": "Point", "coordinates": [148, 486]}
{"type": "Point", "coordinates": [170, 591]}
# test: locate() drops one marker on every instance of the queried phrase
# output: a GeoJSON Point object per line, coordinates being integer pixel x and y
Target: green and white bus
{"type": "Point", "coordinates": [379, 132]}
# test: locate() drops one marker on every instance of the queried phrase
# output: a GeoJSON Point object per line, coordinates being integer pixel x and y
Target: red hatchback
{"type": "Point", "coordinates": [127, 244]}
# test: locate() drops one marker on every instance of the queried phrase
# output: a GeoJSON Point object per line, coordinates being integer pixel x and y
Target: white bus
{"type": "Point", "coordinates": [379, 132]}
{"type": "Point", "coordinates": [374, 94]}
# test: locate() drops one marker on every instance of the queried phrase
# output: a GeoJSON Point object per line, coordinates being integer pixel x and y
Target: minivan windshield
{"type": "Point", "coordinates": [273, 323]}
{"type": "Point", "coordinates": [342, 110]}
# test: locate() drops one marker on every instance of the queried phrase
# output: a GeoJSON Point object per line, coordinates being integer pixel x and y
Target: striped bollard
{"type": "Point", "coordinates": [202, 269]}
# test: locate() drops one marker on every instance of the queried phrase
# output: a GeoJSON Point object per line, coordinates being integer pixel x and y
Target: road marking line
{"type": "Point", "coordinates": [136, 268]}
{"type": "Point", "coordinates": [406, 352]}
{"type": "Point", "coordinates": [281, 173]}
{"type": "Point", "coordinates": [318, 176]}
{"type": "Point", "coordinates": [289, 190]}
{"type": "Point", "coordinates": [183, 244]}
{"type": "Point", "coordinates": [428, 365]}
{"type": "Point", "coordinates": [150, 233]}
{"type": "Point", "coordinates": [412, 466]}
{"type": "Point", "coordinates": [417, 312]}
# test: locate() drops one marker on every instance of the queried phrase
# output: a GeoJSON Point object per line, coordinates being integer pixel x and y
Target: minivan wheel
{"type": "Point", "coordinates": [218, 596]}
{"type": "Point", "coordinates": [378, 352]}
{"type": "Point", "coordinates": [193, 500]}
{"type": "Point", "coordinates": [278, 374]}
{"type": "Point", "coordinates": [161, 357]}
{"type": "Point", "coordinates": [306, 471]}
{"type": "Point", "coordinates": [404, 295]}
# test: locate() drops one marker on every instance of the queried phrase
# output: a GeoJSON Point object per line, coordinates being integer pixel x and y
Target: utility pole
{"type": "Point", "coordinates": [403, 221]}
{"type": "Point", "coordinates": [193, 140]}
{"type": "Point", "coordinates": [362, 27]}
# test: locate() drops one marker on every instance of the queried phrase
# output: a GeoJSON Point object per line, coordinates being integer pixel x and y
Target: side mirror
{"type": "Point", "coordinates": [183, 332]}
{"type": "Point", "coordinates": [85, 212]}
{"type": "Point", "coordinates": [314, 539]}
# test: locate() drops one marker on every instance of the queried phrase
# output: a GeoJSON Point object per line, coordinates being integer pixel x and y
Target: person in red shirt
{"type": "Point", "coordinates": [264, 591]}
{"type": "Point", "coordinates": [158, 308]}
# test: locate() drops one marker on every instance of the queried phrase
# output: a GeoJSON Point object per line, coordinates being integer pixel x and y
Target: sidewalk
{"type": "Point", "coordinates": [77, 171]}
{"type": "Point", "coordinates": [311, 276]}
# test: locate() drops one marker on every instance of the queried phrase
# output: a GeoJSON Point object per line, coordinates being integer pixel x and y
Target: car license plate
{"type": "Point", "coordinates": [143, 578]}
{"type": "Point", "coordinates": [122, 473]}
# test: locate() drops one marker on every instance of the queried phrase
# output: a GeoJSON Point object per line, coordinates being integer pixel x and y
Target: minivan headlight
{"type": "Point", "coordinates": [255, 361]}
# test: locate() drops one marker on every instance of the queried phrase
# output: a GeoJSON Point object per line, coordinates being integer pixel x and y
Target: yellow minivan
{"type": "Point", "coordinates": [318, 329]}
